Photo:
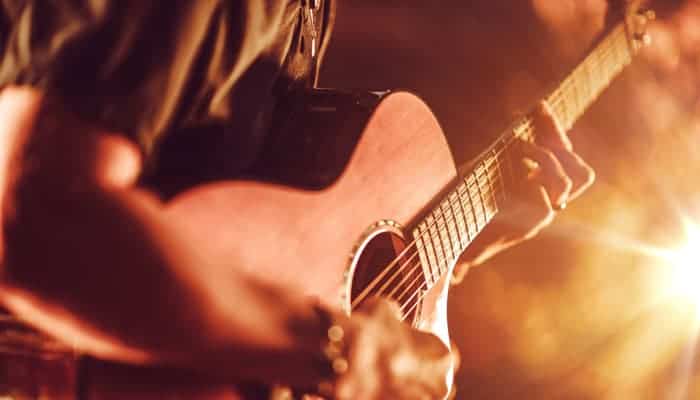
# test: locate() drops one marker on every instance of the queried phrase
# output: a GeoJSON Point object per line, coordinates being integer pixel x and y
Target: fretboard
{"type": "Point", "coordinates": [592, 76]}
{"type": "Point", "coordinates": [486, 183]}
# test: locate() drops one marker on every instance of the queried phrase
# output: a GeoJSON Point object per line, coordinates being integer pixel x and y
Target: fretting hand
{"type": "Point", "coordinates": [560, 176]}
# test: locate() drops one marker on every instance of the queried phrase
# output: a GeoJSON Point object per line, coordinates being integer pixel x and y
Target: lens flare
{"type": "Point", "coordinates": [685, 261]}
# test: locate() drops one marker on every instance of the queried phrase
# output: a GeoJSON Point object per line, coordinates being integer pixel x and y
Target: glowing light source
{"type": "Point", "coordinates": [685, 261]}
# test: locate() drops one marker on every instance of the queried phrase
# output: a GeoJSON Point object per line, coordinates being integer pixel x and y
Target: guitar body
{"type": "Point", "coordinates": [328, 230]}
{"type": "Point", "coordinates": [341, 182]}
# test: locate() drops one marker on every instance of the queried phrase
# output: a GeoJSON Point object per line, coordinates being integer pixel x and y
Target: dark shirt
{"type": "Point", "coordinates": [193, 82]}
{"type": "Point", "coordinates": [207, 72]}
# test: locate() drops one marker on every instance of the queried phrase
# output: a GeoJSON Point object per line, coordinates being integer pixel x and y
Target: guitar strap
{"type": "Point", "coordinates": [310, 42]}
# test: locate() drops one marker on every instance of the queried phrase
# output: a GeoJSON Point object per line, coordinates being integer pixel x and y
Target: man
{"type": "Point", "coordinates": [92, 91]}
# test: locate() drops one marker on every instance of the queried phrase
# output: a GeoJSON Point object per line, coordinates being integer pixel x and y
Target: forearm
{"type": "Point", "coordinates": [95, 258]}
{"type": "Point", "coordinates": [101, 264]}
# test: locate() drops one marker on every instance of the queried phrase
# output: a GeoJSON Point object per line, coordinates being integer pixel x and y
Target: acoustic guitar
{"type": "Point", "coordinates": [356, 194]}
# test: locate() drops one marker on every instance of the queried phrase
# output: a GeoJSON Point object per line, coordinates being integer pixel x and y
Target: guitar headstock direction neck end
{"type": "Point", "coordinates": [637, 23]}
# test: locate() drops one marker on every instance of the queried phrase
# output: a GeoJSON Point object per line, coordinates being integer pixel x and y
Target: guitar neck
{"type": "Point", "coordinates": [487, 182]}
{"type": "Point", "coordinates": [590, 78]}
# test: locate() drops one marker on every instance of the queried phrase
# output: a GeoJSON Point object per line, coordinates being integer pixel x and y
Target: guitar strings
{"type": "Point", "coordinates": [556, 100]}
{"type": "Point", "coordinates": [495, 177]}
{"type": "Point", "coordinates": [598, 59]}
{"type": "Point", "coordinates": [506, 142]}
{"type": "Point", "coordinates": [597, 56]}
{"type": "Point", "coordinates": [613, 71]}
{"type": "Point", "coordinates": [614, 45]}
{"type": "Point", "coordinates": [413, 244]}
{"type": "Point", "coordinates": [601, 56]}
{"type": "Point", "coordinates": [443, 229]}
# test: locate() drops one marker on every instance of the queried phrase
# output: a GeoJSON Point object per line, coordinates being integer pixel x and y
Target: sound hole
{"type": "Point", "coordinates": [402, 281]}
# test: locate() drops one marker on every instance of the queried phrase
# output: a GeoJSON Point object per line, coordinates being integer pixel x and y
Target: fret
{"type": "Point", "coordinates": [477, 210]}
{"type": "Point", "coordinates": [460, 216]}
{"type": "Point", "coordinates": [492, 190]}
{"type": "Point", "coordinates": [457, 221]}
{"type": "Point", "coordinates": [494, 181]}
{"type": "Point", "coordinates": [565, 116]}
{"type": "Point", "coordinates": [451, 225]}
{"type": "Point", "coordinates": [485, 192]}
{"type": "Point", "coordinates": [452, 228]}
{"type": "Point", "coordinates": [439, 245]}
{"type": "Point", "coordinates": [434, 235]}
{"type": "Point", "coordinates": [576, 97]}
{"type": "Point", "coordinates": [473, 225]}
{"type": "Point", "coordinates": [605, 52]}
{"type": "Point", "coordinates": [590, 66]}
{"type": "Point", "coordinates": [481, 203]}
{"type": "Point", "coordinates": [607, 61]}
{"type": "Point", "coordinates": [469, 217]}
{"type": "Point", "coordinates": [432, 254]}
{"type": "Point", "coordinates": [588, 90]}
{"type": "Point", "coordinates": [422, 255]}
{"type": "Point", "coordinates": [620, 50]}
{"type": "Point", "coordinates": [445, 242]}
{"type": "Point", "coordinates": [448, 235]}
{"type": "Point", "coordinates": [511, 169]}
{"type": "Point", "coordinates": [479, 175]}
{"type": "Point", "coordinates": [500, 176]}
{"type": "Point", "coordinates": [485, 183]}
{"type": "Point", "coordinates": [522, 128]}
{"type": "Point", "coordinates": [462, 220]}
{"type": "Point", "coordinates": [623, 52]}
{"type": "Point", "coordinates": [576, 93]}
{"type": "Point", "coordinates": [601, 59]}
{"type": "Point", "coordinates": [561, 109]}
{"type": "Point", "coordinates": [601, 68]}
{"type": "Point", "coordinates": [590, 75]}
{"type": "Point", "coordinates": [571, 107]}
{"type": "Point", "coordinates": [614, 58]}
{"type": "Point", "coordinates": [557, 107]}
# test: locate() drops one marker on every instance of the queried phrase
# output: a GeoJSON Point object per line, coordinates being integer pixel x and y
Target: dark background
{"type": "Point", "coordinates": [584, 311]}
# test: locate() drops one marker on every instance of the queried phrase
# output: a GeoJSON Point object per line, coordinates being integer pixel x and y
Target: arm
{"type": "Point", "coordinates": [89, 257]}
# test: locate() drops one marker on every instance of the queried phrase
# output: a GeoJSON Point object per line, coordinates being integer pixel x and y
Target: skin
{"type": "Point", "coordinates": [78, 232]}
{"type": "Point", "coordinates": [561, 176]}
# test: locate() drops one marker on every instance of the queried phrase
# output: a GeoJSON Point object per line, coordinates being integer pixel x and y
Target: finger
{"type": "Point", "coordinates": [549, 133]}
{"type": "Point", "coordinates": [551, 136]}
{"type": "Point", "coordinates": [550, 174]}
{"type": "Point", "coordinates": [532, 213]}
{"type": "Point", "coordinates": [381, 306]}
{"type": "Point", "coordinates": [535, 213]}
{"type": "Point", "coordinates": [581, 174]}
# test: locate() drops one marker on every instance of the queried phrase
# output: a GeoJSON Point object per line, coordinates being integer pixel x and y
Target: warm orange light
{"type": "Point", "coordinates": [685, 279]}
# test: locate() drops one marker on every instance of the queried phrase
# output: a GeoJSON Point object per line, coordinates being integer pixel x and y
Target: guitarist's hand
{"type": "Point", "coordinates": [560, 177]}
{"type": "Point", "coordinates": [390, 360]}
